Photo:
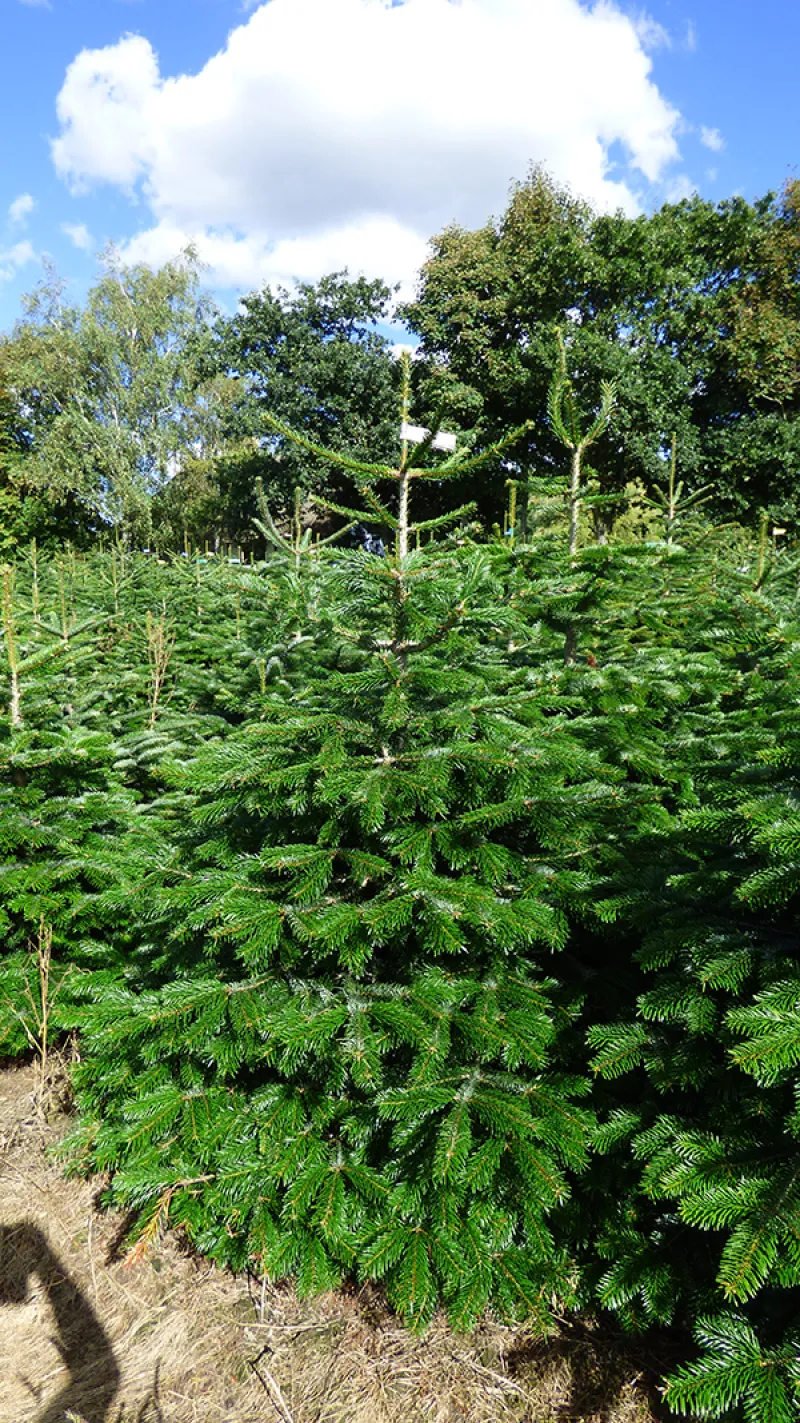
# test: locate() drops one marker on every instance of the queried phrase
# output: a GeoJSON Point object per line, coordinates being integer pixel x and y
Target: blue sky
{"type": "Point", "coordinates": [298, 136]}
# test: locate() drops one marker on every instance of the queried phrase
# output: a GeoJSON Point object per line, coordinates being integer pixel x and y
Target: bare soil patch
{"type": "Point", "coordinates": [172, 1339]}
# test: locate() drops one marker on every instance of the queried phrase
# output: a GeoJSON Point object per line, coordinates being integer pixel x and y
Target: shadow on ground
{"type": "Point", "coordinates": [593, 1367]}
{"type": "Point", "coordinates": [94, 1376]}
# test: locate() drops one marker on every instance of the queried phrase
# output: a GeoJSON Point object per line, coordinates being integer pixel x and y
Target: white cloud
{"type": "Point", "coordinates": [37, 4]}
{"type": "Point", "coordinates": [680, 187]}
{"type": "Point", "coordinates": [79, 235]}
{"type": "Point", "coordinates": [105, 108]}
{"type": "Point", "coordinates": [652, 35]}
{"type": "Point", "coordinates": [12, 259]}
{"type": "Point", "coordinates": [377, 246]}
{"type": "Point", "coordinates": [402, 348]}
{"type": "Point", "coordinates": [345, 132]}
{"type": "Point", "coordinates": [20, 209]}
{"type": "Point", "coordinates": [690, 41]}
{"type": "Point", "coordinates": [712, 138]}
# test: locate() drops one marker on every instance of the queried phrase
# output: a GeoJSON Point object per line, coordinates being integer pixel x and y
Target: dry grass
{"type": "Point", "coordinates": [171, 1339]}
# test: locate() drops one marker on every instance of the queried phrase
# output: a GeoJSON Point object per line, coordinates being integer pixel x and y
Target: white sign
{"type": "Point", "coordinates": [416, 433]}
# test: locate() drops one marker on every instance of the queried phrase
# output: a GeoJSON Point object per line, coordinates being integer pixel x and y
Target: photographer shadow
{"type": "Point", "coordinates": [83, 1344]}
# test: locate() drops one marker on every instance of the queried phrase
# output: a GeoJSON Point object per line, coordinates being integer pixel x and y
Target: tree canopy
{"type": "Point", "coordinates": [145, 410]}
{"type": "Point", "coordinates": [313, 359]}
{"type": "Point", "coordinates": [693, 311]}
{"type": "Point", "coordinates": [107, 394]}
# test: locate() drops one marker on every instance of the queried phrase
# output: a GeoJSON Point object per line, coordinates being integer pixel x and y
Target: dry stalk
{"type": "Point", "coordinates": [115, 581]}
{"type": "Point", "coordinates": [35, 600]}
{"type": "Point", "coordinates": [9, 629]}
{"type": "Point", "coordinates": [160, 647]}
{"type": "Point", "coordinates": [34, 1018]}
{"type": "Point", "coordinates": [62, 603]}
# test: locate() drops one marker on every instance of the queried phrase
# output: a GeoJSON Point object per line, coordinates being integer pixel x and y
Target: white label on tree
{"type": "Point", "coordinates": [416, 433]}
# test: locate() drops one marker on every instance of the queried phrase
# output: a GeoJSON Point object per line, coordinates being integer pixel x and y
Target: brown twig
{"type": "Point", "coordinates": [271, 1386]}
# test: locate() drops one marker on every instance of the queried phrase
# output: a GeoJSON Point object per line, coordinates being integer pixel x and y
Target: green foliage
{"type": "Point", "coordinates": [736, 1368]}
{"type": "Point", "coordinates": [370, 873]}
{"type": "Point", "coordinates": [402, 948]}
{"type": "Point", "coordinates": [313, 360]}
{"type": "Point", "coordinates": [692, 312]}
{"type": "Point", "coordinates": [107, 394]}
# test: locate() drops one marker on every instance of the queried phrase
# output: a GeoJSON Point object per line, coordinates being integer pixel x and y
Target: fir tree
{"type": "Point", "coordinates": [709, 1229]}
{"type": "Point", "coordinates": [403, 949]}
{"type": "Point", "coordinates": [344, 1059]}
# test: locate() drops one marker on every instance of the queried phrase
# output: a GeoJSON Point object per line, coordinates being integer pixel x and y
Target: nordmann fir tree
{"type": "Point", "coordinates": [700, 1064]}
{"type": "Point", "coordinates": [566, 422]}
{"type": "Point", "coordinates": [341, 1055]}
{"type": "Point", "coordinates": [99, 686]}
{"type": "Point", "coordinates": [666, 846]}
{"type": "Point", "coordinates": [71, 843]}
{"type": "Point", "coordinates": [687, 1212]}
